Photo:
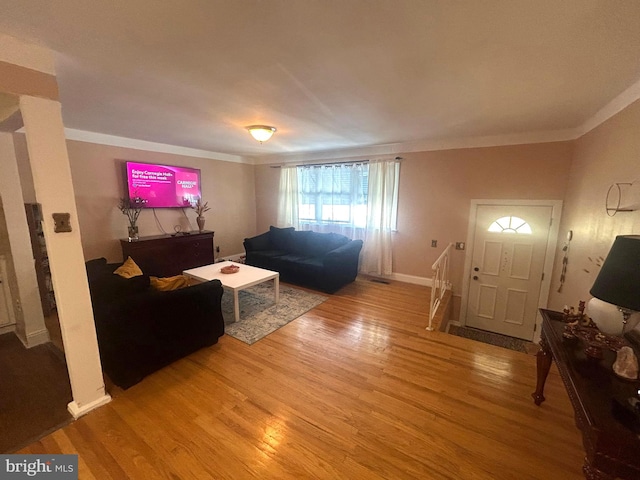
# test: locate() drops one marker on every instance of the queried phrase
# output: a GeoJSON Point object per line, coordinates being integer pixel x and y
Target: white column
{"type": "Point", "coordinates": [53, 185]}
{"type": "Point", "coordinates": [30, 326]}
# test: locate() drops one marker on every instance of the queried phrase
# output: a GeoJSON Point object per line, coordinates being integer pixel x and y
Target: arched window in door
{"type": "Point", "coordinates": [510, 225]}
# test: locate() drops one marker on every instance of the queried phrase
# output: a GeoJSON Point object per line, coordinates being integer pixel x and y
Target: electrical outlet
{"type": "Point", "coordinates": [434, 243]}
{"type": "Point", "coordinates": [460, 245]}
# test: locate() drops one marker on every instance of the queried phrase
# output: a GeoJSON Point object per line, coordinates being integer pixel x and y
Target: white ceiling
{"type": "Point", "coordinates": [332, 74]}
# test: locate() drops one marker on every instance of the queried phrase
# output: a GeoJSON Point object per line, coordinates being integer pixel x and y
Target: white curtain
{"type": "Point", "coordinates": [333, 198]}
{"type": "Point", "coordinates": [288, 198]}
{"type": "Point", "coordinates": [382, 208]}
{"type": "Point", "coordinates": [357, 200]}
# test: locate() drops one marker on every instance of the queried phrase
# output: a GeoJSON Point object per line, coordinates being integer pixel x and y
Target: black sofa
{"type": "Point", "coordinates": [140, 329]}
{"type": "Point", "coordinates": [324, 261]}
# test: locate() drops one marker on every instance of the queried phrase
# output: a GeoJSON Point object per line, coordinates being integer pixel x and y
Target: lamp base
{"type": "Point", "coordinates": [630, 319]}
{"type": "Point", "coordinates": [611, 319]}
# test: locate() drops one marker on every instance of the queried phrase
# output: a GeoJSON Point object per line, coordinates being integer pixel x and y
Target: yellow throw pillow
{"type": "Point", "coordinates": [169, 283]}
{"type": "Point", "coordinates": [128, 269]}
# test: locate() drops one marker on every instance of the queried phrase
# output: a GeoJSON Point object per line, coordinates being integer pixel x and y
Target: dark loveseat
{"type": "Point", "coordinates": [325, 261]}
{"type": "Point", "coordinates": [141, 329]}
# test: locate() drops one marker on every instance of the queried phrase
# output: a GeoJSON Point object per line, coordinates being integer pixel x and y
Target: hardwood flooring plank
{"type": "Point", "coordinates": [354, 389]}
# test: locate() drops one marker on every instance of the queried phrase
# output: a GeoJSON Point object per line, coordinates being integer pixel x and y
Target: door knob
{"type": "Point", "coordinates": [476, 269]}
{"type": "Point", "coordinates": [475, 277]}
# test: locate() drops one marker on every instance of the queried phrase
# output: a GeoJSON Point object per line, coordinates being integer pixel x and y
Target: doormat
{"type": "Point", "coordinates": [494, 339]}
{"type": "Point", "coordinates": [260, 316]}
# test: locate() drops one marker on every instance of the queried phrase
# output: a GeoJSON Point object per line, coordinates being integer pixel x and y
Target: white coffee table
{"type": "Point", "coordinates": [246, 277]}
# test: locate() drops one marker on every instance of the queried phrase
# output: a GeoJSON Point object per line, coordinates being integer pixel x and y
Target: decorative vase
{"type": "Point", "coordinates": [133, 233]}
{"type": "Point", "coordinates": [200, 221]}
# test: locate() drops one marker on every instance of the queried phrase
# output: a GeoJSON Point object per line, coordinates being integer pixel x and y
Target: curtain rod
{"type": "Point", "coordinates": [346, 162]}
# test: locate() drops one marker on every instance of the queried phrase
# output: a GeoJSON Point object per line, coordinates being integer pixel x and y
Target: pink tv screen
{"type": "Point", "coordinates": [162, 185]}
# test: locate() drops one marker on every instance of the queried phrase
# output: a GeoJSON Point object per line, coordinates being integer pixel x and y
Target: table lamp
{"type": "Point", "coordinates": [618, 282]}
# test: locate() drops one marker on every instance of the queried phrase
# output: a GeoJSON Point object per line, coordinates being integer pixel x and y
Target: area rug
{"type": "Point", "coordinates": [493, 339]}
{"type": "Point", "coordinates": [260, 316]}
{"type": "Point", "coordinates": [35, 392]}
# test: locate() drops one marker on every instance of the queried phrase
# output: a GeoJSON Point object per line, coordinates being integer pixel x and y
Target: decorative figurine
{"type": "Point", "coordinates": [571, 317]}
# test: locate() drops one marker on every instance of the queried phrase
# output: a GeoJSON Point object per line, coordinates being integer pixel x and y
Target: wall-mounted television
{"type": "Point", "coordinates": [163, 186]}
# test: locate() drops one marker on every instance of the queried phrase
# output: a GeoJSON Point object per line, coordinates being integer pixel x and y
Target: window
{"type": "Point", "coordinates": [333, 194]}
{"type": "Point", "coordinates": [510, 225]}
{"type": "Point", "coordinates": [359, 200]}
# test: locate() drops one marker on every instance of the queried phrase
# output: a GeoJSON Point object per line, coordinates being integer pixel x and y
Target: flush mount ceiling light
{"type": "Point", "coordinates": [261, 133]}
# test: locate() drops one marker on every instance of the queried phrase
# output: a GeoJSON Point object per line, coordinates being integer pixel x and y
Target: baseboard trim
{"type": "Point", "coordinates": [7, 328]}
{"type": "Point", "coordinates": [455, 323]}
{"type": "Point", "coordinates": [77, 410]}
{"type": "Point", "coordinates": [402, 277]}
{"type": "Point", "coordinates": [399, 277]}
{"type": "Point", "coordinates": [232, 258]}
{"type": "Point", "coordinates": [34, 339]}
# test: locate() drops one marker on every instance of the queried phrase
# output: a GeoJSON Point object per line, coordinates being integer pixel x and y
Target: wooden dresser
{"type": "Point", "coordinates": [610, 429]}
{"type": "Point", "coordinates": [168, 255]}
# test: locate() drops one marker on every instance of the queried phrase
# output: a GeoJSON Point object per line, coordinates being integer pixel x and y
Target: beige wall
{"type": "Point", "coordinates": [608, 154]}
{"type": "Point", "coordinates": [435, 193]}
{"type": "Point", "coordinates": [23, 283]}
{"type": "Point", "coordinates": [99, 183]}
{"type": "Point", "coordinates": [5, 251]}
{"type": "Point", "coordinates": [436, 189]}
{"type": "Point", "coordinates": [24, 168]}
{"type": "Point", "coordinates": [267, 182]}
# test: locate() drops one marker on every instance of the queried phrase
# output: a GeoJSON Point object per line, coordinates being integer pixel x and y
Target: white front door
{"type": "Point", "coordinates": [507, 262]}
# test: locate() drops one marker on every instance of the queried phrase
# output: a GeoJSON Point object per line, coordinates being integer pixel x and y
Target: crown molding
{"type": "Point", "coordinates": [619, 103]}
{"type": "Point", "coordinates": [115, 141]}
{"type": "Point", "coordinates": [420, 146]}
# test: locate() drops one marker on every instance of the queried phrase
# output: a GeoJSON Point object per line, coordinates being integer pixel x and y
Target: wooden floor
{"type": "Point", "coordinates": [354, 389]}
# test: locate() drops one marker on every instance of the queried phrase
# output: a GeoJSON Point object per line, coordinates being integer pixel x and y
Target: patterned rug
{"type": "Point", "coordinates": [260, 316]}
{"type": "Point", "coordinates": [493, 339]}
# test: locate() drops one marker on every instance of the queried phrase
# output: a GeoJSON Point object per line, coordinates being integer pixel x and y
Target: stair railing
{"type": "Point", "coordinates": [439, 283]}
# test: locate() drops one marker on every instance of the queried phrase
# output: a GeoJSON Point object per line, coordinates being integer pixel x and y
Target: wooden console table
{"type": "Point", "coordinates": [168, 255]}
{"type": "Point", "coordinates": [610, 432]}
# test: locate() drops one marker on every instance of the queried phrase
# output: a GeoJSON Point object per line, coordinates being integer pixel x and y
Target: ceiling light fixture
{"type": "Point", "coordinates": [261, 133]}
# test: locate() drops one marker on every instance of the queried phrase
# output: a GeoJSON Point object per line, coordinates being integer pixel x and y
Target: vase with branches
{"type": "Point", "coordinates": [131, 207]}
{"type": "Point", "coordinates": [200, 207]}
